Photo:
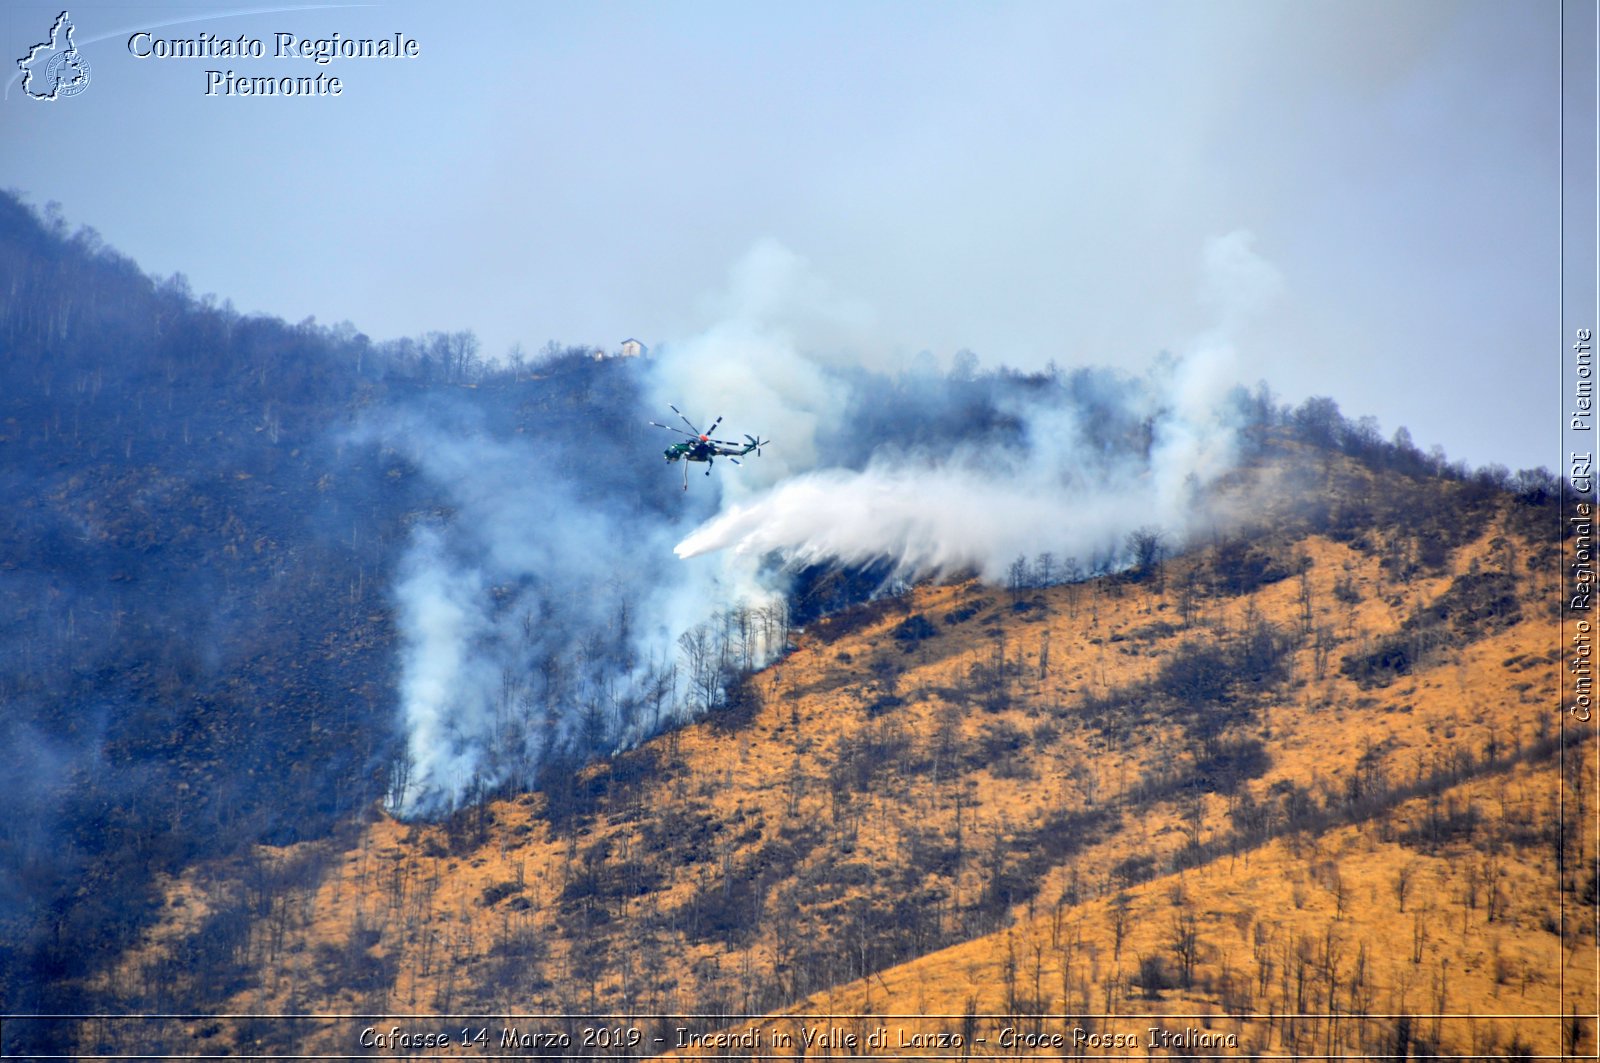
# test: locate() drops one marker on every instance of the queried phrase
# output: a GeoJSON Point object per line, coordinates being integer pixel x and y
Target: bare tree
{"type": "Point", "coordinates": [1018, 576]}
{"type": "Point", "coordinates": [1120, 906]}
{"type": "Point", "coordinates": [1044, 567]}
{"type": "Point", "coordinates": [1403, 878]}
{"type": "Point", "coordinates": [1186, 942]}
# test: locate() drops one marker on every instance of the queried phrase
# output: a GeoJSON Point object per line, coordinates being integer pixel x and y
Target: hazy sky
{"type": "Point", "coordinates": [1360, 197]}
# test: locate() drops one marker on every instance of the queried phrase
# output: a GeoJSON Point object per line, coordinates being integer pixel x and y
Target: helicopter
{"type": "Point", "coordinates": [701, 447]}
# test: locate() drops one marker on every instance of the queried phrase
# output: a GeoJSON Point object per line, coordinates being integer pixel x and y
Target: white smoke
{"type": "Point", "coordinates": [770, 364]}
{"type": "Point", "coordinates": [1238, 284]}
{"type": "Point", "coordinates": [535, 608]}
{"type": "Point", "coordinates": [542, 603]}
{"type": "Point", "coordinates": [444, 684]}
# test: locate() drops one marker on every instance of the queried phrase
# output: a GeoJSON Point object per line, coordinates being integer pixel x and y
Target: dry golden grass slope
{"type": "Point", "coordinates": [1348, 943]}
{"type": "Point", "coordinates": [1288, 793]}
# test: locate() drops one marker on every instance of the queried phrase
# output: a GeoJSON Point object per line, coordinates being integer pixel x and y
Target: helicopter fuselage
{"type": "Point", "coordinates": [688, 452]}
{"type": "Point", "coordinates": [702, 450]}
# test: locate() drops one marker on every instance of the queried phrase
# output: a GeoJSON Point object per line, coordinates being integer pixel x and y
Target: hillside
{"type": "Point", "coordinates": [1430, 929]}
{"type": "Point", "coordinates": [342, 677]}
{"type": "Point", "coordinates": [1314, 767]}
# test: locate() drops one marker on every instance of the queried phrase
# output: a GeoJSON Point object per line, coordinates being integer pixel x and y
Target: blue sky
{"type": "Point", "coordinates": [1362, 198]}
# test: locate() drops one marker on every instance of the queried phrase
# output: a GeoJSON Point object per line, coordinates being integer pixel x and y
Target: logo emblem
{"type": "Point", "coordinates": [55, 68]}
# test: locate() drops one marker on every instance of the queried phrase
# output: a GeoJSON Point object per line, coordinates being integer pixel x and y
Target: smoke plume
{"type": "Point", "coordinates": [567, 598]}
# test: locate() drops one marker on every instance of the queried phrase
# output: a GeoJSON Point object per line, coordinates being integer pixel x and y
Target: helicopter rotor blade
{"type": "Point", "coordinates": [669, 428]}
{"type": "Point", "coordinates": [685, 420]}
